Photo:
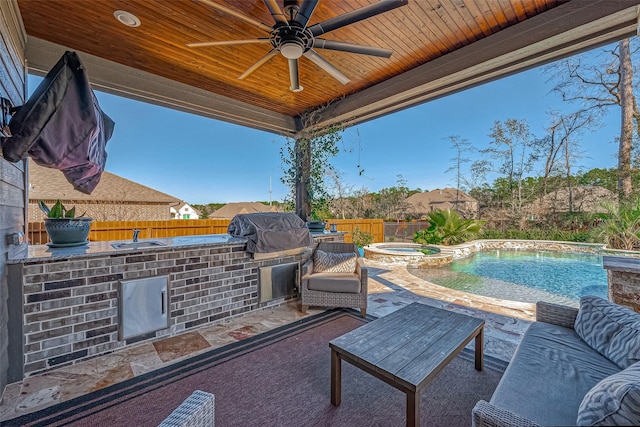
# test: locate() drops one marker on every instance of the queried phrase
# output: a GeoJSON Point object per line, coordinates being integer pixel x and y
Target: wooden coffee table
{"type": "Point", "coordinates": [406, 349]}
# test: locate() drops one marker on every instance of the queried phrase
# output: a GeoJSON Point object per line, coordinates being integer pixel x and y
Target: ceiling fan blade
{"type": "Point", "coordinates": [305, 12]}
{"type": "Point", "coordinates": [294, 76]}
{"type": "Point", "coordinates": [355, 16]}
{"type": "Point", "coordinates": [353, 48]}
{"type": "Point", "coordinates": [276, 12]}
{"type": "Point", "coordinates": [260, 63]}
{"type": "Point", "coordinates": [236, 14]}
{"type": "Point", "coordinates": [326, 66]}
{"type": "Point", "coordinates": [229, 42]}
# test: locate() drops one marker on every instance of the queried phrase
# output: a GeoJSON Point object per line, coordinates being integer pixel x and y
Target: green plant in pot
{"type": "Point", "coordinates": [361, 238]}
{"type": "Point", "coordinates": [316, 221]}
{"type": "Point", "coordinates": [63, 227]}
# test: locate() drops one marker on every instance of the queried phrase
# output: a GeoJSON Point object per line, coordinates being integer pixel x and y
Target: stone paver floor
{"type": "Point", "coordinates": [389, 289]}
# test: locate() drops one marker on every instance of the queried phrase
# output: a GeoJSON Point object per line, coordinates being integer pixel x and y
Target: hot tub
{"type": "Point", "coordinates": [413, 255]}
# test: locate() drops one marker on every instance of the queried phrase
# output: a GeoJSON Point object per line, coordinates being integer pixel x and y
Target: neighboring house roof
{"type": "Point", "coordinates": [50, 184]}
{"type": "Point", "coordinates": [586, 198]}
{"type": "Point", "coordinates": [437, 199]}
{"type": "Point", "coordinates": [232, 209]}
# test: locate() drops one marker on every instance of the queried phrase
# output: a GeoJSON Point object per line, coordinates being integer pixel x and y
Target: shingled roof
{"type": "Point", "coordinates": [232, 209]}
{"type": "Point", "coordinates": [50, 184]}
{"type": "Point", "coordinates": [445, 198]}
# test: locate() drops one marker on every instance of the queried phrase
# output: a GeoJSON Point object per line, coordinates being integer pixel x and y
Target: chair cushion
{"type": "Point", "coordinates": [610, 329]}
{"type": "Point", "coordinates": [613, 401]}
{"type": "Point", "coordinates": [335, 282]}
{"type": "Point", "coordinates": [332, 262]}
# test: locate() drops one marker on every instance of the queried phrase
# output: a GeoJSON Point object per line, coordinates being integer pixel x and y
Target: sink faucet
{"type": "Point", "coordinates": [136, 231]}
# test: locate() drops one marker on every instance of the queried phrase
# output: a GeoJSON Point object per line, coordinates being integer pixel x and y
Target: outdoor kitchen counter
{"type": "Point", "coordinates": [36, 253]}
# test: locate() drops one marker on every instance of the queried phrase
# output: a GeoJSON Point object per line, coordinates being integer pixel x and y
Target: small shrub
{"type": "Point", "coordinates": [537, 234]}
{"type": "Point", "coordinates": [361, 238]}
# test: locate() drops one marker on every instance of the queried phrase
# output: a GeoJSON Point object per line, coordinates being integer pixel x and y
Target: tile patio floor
{"type": "Point", "coordinates": [389, 289]}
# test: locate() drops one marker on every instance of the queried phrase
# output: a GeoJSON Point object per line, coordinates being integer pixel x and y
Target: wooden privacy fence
{"type": "Point", "coordinates": [373, 226]}
{"type": "Point", "coordinates": [122, 230]}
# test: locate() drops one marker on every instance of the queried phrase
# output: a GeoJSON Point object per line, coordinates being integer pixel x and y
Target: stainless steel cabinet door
{"type": "Point", "coordinates": [144, 306]}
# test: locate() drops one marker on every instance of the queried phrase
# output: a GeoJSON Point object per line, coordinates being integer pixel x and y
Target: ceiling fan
{"type": "Point", "coordinates": [292, 38]}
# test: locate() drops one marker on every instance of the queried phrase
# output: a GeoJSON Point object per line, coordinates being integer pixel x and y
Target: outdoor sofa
{"type": "Point", "coordinates": [572, 367]}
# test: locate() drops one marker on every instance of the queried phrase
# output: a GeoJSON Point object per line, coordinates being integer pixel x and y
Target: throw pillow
{"type": "Point", "coordinates": [331, 262]}
{"type": "Point", "coordinates": [614, 401]}
{"type": "Point", "coordinates": [610, 329]}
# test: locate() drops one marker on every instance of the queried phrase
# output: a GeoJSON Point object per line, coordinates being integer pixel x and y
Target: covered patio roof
{"type": "Point", "coordinates": [439, 47]}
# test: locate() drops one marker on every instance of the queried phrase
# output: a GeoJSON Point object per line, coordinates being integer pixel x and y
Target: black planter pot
{"type": "Point", "coordinates": [67, 231]}
{"type": "Point", "coordinates": [316, 226]}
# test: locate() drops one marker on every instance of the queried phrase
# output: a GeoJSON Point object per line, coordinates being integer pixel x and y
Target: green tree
{"type": "Point", "coordinates": [607, 178]}
{"type": "Point", "coordinates": [390, 202]}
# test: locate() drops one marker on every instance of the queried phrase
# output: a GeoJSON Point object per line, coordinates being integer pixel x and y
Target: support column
{"type": "Point", "coordinates": [624, 280]}
{"type": "Point", "coordinates": [303, 176]}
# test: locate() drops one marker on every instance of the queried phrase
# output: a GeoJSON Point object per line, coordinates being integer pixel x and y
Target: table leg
{"type": "Point", "coordinates": [336, 378]}
{"type": "Point", "coordinates": [413, 409]}
{"type": "Point", "coordinates": [480, 350]}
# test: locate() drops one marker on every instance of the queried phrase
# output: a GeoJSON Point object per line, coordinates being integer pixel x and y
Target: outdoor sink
{"type": "Point", "coordinates": [138, 245]}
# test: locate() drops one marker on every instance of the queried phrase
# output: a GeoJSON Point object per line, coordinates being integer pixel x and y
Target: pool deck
{"type": "Point", "coordinates": [390, 288]}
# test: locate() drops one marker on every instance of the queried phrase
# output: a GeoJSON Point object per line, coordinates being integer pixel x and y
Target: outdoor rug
{"type": "Point", "coordinates": [279, 378]}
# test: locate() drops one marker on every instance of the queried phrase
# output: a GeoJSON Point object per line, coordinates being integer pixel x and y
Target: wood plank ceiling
{"type": "Point", "coordinates": [440, 34]}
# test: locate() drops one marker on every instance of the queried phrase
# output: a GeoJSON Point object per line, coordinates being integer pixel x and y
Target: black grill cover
{"type": "Point", "coordinates": [62, 126]}
{"type": "Point", "coordinates": [271, 231]}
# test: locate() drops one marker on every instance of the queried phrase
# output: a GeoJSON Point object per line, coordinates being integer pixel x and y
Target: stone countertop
{"type": "Point", "coordinates": [35, 253]}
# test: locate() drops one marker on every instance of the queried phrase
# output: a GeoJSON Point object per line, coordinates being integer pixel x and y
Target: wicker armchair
{"type": "Point", "coordinates": [324, 289]}
{"type": "Point", "coordinates": [198, 410]}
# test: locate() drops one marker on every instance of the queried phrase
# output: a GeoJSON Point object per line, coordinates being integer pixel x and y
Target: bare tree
{"type": "Point", "coordinates": [363, 203]}
{"type": "Point", "coordinates": [462, 146]}
{"type": "Point", "coordinates": [562, 148]}
{"type": "Point", "coordinates": [598, 85]}
{"type": "Point", "coordinates": [514, 152]}
{"type": "Point", "coordinates": [340, 203]}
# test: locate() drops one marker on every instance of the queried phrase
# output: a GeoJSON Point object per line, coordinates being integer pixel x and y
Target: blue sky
{"type": "Point", "coordinates": [202, 160]}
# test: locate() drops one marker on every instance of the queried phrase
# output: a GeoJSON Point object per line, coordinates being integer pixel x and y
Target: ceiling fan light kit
{"type": "Point", "coordinates": [291, 37]}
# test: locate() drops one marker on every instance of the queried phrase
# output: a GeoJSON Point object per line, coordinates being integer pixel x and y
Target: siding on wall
{"type": "Point", "coordinates": [12, 176]}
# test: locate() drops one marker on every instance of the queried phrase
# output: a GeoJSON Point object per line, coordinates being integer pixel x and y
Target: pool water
{"type": "Point", "coordinates": [527, 276]}
{"type": "Point", "coordinates": [427, 250]}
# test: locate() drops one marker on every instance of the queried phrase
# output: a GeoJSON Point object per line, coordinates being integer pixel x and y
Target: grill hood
{"type": "Point", "coordinates": [271, 231]}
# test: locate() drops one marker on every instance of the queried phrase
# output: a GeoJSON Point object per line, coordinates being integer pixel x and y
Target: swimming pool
{"type": "Point", "coordinates": [528, 276]}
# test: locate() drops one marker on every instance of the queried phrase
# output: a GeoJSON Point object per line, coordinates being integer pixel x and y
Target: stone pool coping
{"type": "Point", "coordinates": [449, 253]}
